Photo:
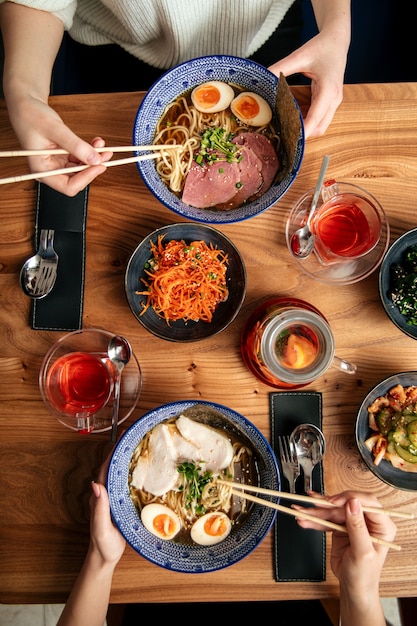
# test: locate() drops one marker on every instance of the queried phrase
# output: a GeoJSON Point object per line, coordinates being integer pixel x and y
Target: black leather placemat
{"type": "Point", "coordinates": [62, 308]}
{"type": "Point", "coordinates": [299, 553]}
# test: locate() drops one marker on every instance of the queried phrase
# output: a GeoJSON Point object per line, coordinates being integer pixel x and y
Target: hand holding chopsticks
{"type": "Point", "coordinates": [78, 168]}
{"type": "Point", "coordinates": [241, 490]}
{"type": "Point", "coordinates": [312, 500]}
{"type": "Point", "coordinates": [55, 151]}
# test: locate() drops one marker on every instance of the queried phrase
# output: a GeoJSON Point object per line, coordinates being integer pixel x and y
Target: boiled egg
{"type": "Point", "coordinates": [212, 97]}
{"type": "Point", "coordinates": [160, 520]}
{"type": "Point", "coordinates": [211, 528]}
{"type": "Point", "coordinates": [251, 109]}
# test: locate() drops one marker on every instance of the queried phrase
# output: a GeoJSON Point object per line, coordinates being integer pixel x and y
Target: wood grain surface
{"type": "Point", "coordinates": [46, 469]}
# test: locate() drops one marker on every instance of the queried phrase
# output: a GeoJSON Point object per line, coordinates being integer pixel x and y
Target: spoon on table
{"type": "Point", "coordinates": [310, 445]}
{"type": "Point", "coordinates": [302, 241]}
{"type": "Point", "coordinates": [38, 274]}
{"type": "Point", "coordinates": [119, 352]}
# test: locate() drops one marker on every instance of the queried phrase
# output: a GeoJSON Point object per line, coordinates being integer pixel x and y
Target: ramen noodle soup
{"type": "Point", "coordinates": [230, 146]}
{"type": "Point", "coordinates": [173, 472]}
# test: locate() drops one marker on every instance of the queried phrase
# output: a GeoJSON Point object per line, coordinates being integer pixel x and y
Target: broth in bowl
{"type": "Point", "coordinates": [229, 156]}
{"type": "Point", "coordinates": [177, 465]}
{"type": "Point", "coordinates": [255, 143]}
{"type": "Point", "coordinates": [214, 538]}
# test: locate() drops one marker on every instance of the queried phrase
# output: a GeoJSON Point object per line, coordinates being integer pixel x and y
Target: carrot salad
{"type": "Point", "coordinates": [185, 281]}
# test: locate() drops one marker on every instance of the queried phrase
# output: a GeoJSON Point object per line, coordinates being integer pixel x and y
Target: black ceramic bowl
{"type": "Point", "coordinates": [178, 330]}
{"type": "Point", "coordinates": [395, 254]}
{"type": "Point", "coordinates": [385, 471]}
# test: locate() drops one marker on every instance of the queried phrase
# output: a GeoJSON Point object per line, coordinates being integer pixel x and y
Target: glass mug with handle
{"type": "Point", "coordinates": [78, 385]}
{"type": "Point", "coordinates": [287, 343]}
{"type": "Point", "coordinates": [77, 377]}
{"type": "Point", "coordinates": [346, 225]}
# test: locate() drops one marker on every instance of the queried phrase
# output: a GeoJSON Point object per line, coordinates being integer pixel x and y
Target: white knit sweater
{"type": "Point", "coordinates": [166, 32]}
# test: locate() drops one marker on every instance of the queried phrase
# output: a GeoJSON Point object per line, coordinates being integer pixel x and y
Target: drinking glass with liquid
{"type": "Point", "coordinates": [79, 384]}
{"type": "Point", "coordinates": [76, 381]}
{"type": "Point", "coordinates": [347, 223]}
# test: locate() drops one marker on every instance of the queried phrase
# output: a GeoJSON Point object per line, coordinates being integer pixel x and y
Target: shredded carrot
{"type": "Point", "coordinates": [185, 281]}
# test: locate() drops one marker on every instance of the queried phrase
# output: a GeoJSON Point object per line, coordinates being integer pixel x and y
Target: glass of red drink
{"type": "Point", "coordinates": [79, 384]}
{"type": "Point", "coordinates": [77, 378]}
{"type": "Point", "coordinates": [346, 225]}
{"type": "Point", "coordinates": [350, 231]}
{"type": "Point", "coordinates": [287, 343]}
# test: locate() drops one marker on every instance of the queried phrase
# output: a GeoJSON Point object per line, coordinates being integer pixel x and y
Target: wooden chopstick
{"type": "Point", "coordinates": [303, 515]}
{"type": "Point", "coordinates": [321, 502]}
{"type": "Point", "coordinates": [52, 151]}
{"type": "Point", "coordinates": [76, 168]}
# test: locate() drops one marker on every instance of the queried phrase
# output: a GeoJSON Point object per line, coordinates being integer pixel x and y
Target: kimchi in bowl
{"type": "Point", "coordinates": [384, 418]}
{"type": "Point", "coordinates": [222, 256]}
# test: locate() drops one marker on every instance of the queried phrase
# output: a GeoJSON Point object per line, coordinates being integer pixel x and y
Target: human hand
{"type": "Point", "coordinates": [105, 539]}
{"type": "Point", "coordinates": [323, 60]}
{"type": "Point", "coordinates": [354, 556]}
{"type": "Point", "coordinates": [50, 132]}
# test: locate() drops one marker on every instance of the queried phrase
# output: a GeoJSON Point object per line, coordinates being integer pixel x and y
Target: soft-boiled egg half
{"type": "Point", "coordinates": [212, 97]}
{"type": "Point", "coordinates": [251, 109]}
{"type": "Point", "coordinates": [160, 520]}
{"type": "Point", "coordinates": [211, 528]}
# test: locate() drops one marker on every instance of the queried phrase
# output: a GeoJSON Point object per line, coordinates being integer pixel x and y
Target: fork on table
{"type": "Point", "coordinates": [289, 461]}
{"type": "Point", "coordinates": [38, 274]}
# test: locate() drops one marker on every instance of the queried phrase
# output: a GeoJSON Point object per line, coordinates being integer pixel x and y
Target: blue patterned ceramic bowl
{"type": "Point", "coordinates": [173, 555]}
{"type": "Point", "coordinates": [246, 73]}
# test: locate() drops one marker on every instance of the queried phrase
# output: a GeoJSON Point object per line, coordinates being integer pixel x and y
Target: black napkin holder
{"type": "Point", "coordinates": [62, 308]}
{"type": "Point", "coordinates": [299, 553]}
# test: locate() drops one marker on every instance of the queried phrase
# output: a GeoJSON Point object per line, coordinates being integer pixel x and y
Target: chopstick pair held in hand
{"type": "Point", "coordinates": [80, 168]}
{"type": "Point", "coordinates": [311, 518]}
{"type": "Point", "coordinates": [321, 501]}
{"type": "Point", "coordinates": [239, 489]}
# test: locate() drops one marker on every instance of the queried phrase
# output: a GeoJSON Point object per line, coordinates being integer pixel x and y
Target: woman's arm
{"type": "Point", "coordinates": [31, 41]}
{"type": "Point", "coordinates": [358, 569]}
{"type": "Point", "coordinates": [355, 559]}
{"type": "Point", "coordinates": [89, 599]}
{"type": "Point", "coordinates": [323, 60]}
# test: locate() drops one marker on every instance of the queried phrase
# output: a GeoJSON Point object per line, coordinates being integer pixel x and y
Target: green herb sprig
{"type": "Point", "coordinates": [195, 480]}
{"type": "Point", "coordinates": [215, 141]}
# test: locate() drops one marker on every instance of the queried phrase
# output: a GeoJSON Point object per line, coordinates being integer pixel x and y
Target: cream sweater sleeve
{"type": "Point", "coordinates": [62, 9]}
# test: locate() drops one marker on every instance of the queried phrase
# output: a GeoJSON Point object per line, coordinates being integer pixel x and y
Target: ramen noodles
{"type": "Point", "coordinates": [176, 465]}
{"type": "Point", "coordinates": [225, 161]}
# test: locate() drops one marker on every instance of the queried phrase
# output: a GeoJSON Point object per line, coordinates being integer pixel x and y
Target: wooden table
{"type": "Point", "coordinates": [46, 469]}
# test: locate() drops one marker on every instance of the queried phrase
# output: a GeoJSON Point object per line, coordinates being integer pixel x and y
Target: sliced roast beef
{"type": "Point", "coordinates": [210, 185]}
{"type": "Point", "coordinates": [265, 151]}
{"type": "Point", "coordinates": [250, 179]}
{"type": "Point", "coordinates": [226, 185]}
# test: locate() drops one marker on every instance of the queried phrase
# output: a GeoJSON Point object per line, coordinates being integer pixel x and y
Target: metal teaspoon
{"type": "Point", "coordinates": [310, 445]}
{"type": "Point", "coordinates": [119, 352]}
{"type": "Point", "coordinates": [302, 241]}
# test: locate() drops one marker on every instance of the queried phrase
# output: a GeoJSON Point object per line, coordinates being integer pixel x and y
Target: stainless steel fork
{"type": "Point", "coordinates": [38, 274]}
{"type": "Point", "coordinates": [289, 461]}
